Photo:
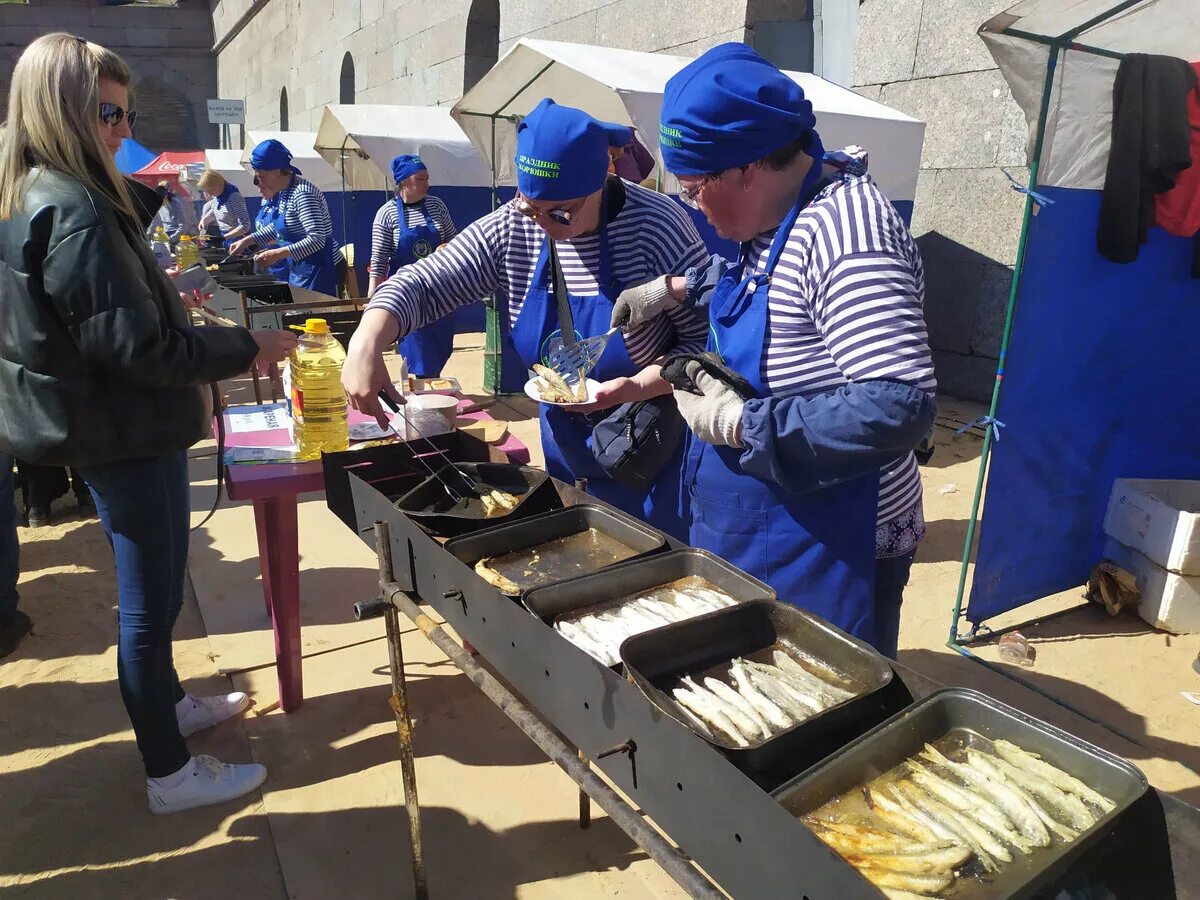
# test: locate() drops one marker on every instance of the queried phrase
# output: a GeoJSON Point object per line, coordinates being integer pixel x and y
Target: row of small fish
{"type": "Point", "coordinates": [989, 807]}
{"type": "Point", "coordinates": [763, 700]}
{"type": "Point", "coordinates": [600, 634]}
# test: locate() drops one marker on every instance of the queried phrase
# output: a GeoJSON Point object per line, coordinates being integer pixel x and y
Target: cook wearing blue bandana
{"type": "Point", "coordinates": [295, 219]}
{"type": "Point", "coordinates": [607, 234]}
{"type": "Point", "coordinates": [810, 482]}
{"type": "Point", "coordinates": [407, 228]}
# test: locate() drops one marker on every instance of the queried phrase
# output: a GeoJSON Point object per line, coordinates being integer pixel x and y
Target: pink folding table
{"type": "Point", "coordinates": [274, 489]}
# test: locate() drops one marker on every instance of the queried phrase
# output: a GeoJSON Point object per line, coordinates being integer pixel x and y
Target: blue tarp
{"type": "Point", "coordinates": [1100, 382]}
{"type": "Point", "coordinates": [133, 156]}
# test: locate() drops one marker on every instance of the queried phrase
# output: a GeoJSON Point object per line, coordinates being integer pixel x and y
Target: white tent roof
{"type": "Point", "coordinates": [626, 86]}
{"type": "Point", "coordinates": [1079, 119]}
{"type": "Point", "coordinates": [368, 137]}
{"type": "Point", "coordinates": [304, 156]}
{"type": "Point", "coordinates": [228, 164]}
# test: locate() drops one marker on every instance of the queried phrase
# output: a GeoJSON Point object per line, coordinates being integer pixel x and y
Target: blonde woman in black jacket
{"type": "Point", "coordinates": [100, 369]}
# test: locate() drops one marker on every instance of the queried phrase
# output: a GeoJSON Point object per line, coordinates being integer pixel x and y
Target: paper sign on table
{"type": "Point", "coordinates": [258, 418]}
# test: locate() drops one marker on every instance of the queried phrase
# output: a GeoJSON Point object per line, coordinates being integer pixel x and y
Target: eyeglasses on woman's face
{"type": "Point", "coordinates": [111, 115]}
{"type": "Point", "coordinates": [690, 193]}
{"type": "Point", "coordinates": [563, 215]}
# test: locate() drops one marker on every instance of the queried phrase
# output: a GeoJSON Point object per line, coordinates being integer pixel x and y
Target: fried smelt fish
{"type": "Point", "coordinates": [965, 830]}
{"type": "Point", "coordinates": [1023, 816]}
{"type": "Point", "coordinates": [969, 804]}
{"type": "Point", "coordinates": [847, 837]}
{"type": "Point", "coordinates": [986, 765]}
{"type": "Point", "coordinates": [918, 859]}
{"type": "Point", "coordinates": [917, 884]}
{"type": "Point", "coordinates": [494, 578]}
{"type": "Point", "coordinates": [703, 706]}
{"type": "Point", "coordinates": [553, 388]}
{"type": "Point", "coordinates": [1033, 763]}
{"type": "Point", "coordinates": [1067, 807]}
{"type": "Point", "coordinates": [894, 815]}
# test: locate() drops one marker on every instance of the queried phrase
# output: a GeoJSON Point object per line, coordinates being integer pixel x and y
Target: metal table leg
{"type": "Point", "coordinates": [399, 704]}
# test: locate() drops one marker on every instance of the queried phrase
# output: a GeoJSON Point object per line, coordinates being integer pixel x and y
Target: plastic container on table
{"type": "Point", "coordinates": [160, 246]}
{"type": "Point", "coordinates": [318, 403]}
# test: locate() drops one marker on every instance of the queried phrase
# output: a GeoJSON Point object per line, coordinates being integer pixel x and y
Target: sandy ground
{"type": "Point", "coordinates": [499, 818]}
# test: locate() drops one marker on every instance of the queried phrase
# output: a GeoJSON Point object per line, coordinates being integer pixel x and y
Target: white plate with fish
{"type": "Point", "coordinates": [535, 387]}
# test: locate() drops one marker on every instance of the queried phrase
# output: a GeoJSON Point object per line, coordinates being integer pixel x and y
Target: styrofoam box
{"type": "Point", "coordinates": [1169, 601]}
{"type": "Point", "coordinates": [1159, 518]}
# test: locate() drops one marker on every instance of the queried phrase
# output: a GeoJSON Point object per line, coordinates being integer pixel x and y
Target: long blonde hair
{"type": "Point", "coordinates": [53, 107]}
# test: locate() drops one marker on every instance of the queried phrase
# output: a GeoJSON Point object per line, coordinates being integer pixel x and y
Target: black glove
{"type": "Point", "coordinates": [674, 370]}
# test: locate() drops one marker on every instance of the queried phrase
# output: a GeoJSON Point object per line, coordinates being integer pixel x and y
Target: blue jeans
{"type": "Point", "coordinates": [144, 506]}
{"type": "Point", "coordinates": [891, 577]}
{"type": "Point", "coordinates": [10, 554]}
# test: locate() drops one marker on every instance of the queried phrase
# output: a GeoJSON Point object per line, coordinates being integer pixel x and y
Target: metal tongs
{"type": "Point", "coordinates": [576, 360]}
{"type": "Point", "coordinates": [471, 484]}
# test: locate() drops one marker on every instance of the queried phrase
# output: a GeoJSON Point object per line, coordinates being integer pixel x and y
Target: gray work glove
{"type": "Point", "coordinates": [715, 414]}
{"type": "Point", "coordinates": [640, 304]}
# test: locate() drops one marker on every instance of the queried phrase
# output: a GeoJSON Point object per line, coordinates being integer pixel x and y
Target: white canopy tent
{"type": "Point", "coordinates": [1088, 38]}
{"type": "Point", "coordinates": [366, 138]}
{"type": "Point", "coordinates": [304, 156]}
{"type": "Point", "coordinates": [228, 164]}
{"type": "Point", "coordinates": [626, 86]}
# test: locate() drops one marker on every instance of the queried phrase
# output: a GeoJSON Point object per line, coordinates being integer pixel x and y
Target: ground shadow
{"type": "Point", "coordinates": [91, 788]}
{"type": "Point", "coordinates": [450, 717]}
{"type": "Point", "coordinates": [243, 868]}
{"type": "Point", "coordinates": [943, 541]}
{"type": "Point", "coordinates": [500, 861]}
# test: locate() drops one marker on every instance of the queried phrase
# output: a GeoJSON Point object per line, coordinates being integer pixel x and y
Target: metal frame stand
{"type": "Point", "coordinates": [394, 600]}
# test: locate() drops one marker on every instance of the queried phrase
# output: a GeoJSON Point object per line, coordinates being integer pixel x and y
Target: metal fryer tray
{"type": "Point", "coordinates": [536, 531]}
{"type": "Point", "coordinates": [435, 510]}
{"type": "Point", "coordinates": [655, 660]}
{"type": "Point", "coordinates": [976, 718]}
{"type": "Point", "coordinates": [626, 579]}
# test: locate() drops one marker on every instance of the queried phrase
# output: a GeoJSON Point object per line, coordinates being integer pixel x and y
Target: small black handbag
{"type": "Point", "coordinates": [632, 442]}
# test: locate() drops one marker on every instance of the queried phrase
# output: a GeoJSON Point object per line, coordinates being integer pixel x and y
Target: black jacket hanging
{"type": "Point", "coordinates": [1150, 147]}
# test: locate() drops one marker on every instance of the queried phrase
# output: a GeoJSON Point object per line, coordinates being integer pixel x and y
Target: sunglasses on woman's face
{"type": "Point", "coordinates": [111, 115]}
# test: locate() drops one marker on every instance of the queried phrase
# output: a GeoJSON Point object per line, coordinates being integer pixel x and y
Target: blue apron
{"type": "Point", "coordinates": [427, 349]}
{"type": "Point", "coordinates": [266, 216]}
{"type": "Point", "coordinates": [567, 437]}
{"type": "Point", "coordinates": [817, 550]}
{"type": "Point", "coordinates": [318, 271]}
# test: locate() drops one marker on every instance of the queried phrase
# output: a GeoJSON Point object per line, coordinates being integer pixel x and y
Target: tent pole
{"type": "Point", "coordinates": [1070, 45]}
{"type": "Point", "coordinates": [1018, 269]}
{"type": "Point", "coordinates": [342, 157]}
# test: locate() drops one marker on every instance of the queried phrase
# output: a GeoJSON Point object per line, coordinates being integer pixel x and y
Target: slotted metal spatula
{"type": "Point", "coordinates": [568, 361]}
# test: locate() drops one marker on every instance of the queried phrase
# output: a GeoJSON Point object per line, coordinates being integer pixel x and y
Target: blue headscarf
{"type": "Point", "coordinates": [271, 154]}
{"type": "Point", "coordinates": [562, 152]}
{"type": "Point", "coordinates": [406, 165]}
{"type": "Point", "coordinates": [729, 108]}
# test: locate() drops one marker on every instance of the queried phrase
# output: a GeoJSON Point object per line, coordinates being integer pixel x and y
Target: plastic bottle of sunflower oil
{"type": "Point", "coordinates": [318, 401]}
{"type": "Point", "coordinates": [186, 252]}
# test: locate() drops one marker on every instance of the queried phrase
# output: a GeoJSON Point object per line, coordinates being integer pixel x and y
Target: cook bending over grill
{"type": "Point", "coordinates": [608, 234]}
{"type": "Point", "coordinates": [820, 382]}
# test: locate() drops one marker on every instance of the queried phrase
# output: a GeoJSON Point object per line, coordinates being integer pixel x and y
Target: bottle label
{"type": "Point", "coordinates": [297, 404]}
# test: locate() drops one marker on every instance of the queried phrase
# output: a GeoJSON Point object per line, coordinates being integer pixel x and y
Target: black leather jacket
{"type": "Point", "coordinates": [98, 360]}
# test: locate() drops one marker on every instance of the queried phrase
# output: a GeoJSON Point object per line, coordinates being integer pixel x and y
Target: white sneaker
{"type": "Point", "coordinates": [203, 782]}
{"type": "Point", "coordinates": [197, 713]}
